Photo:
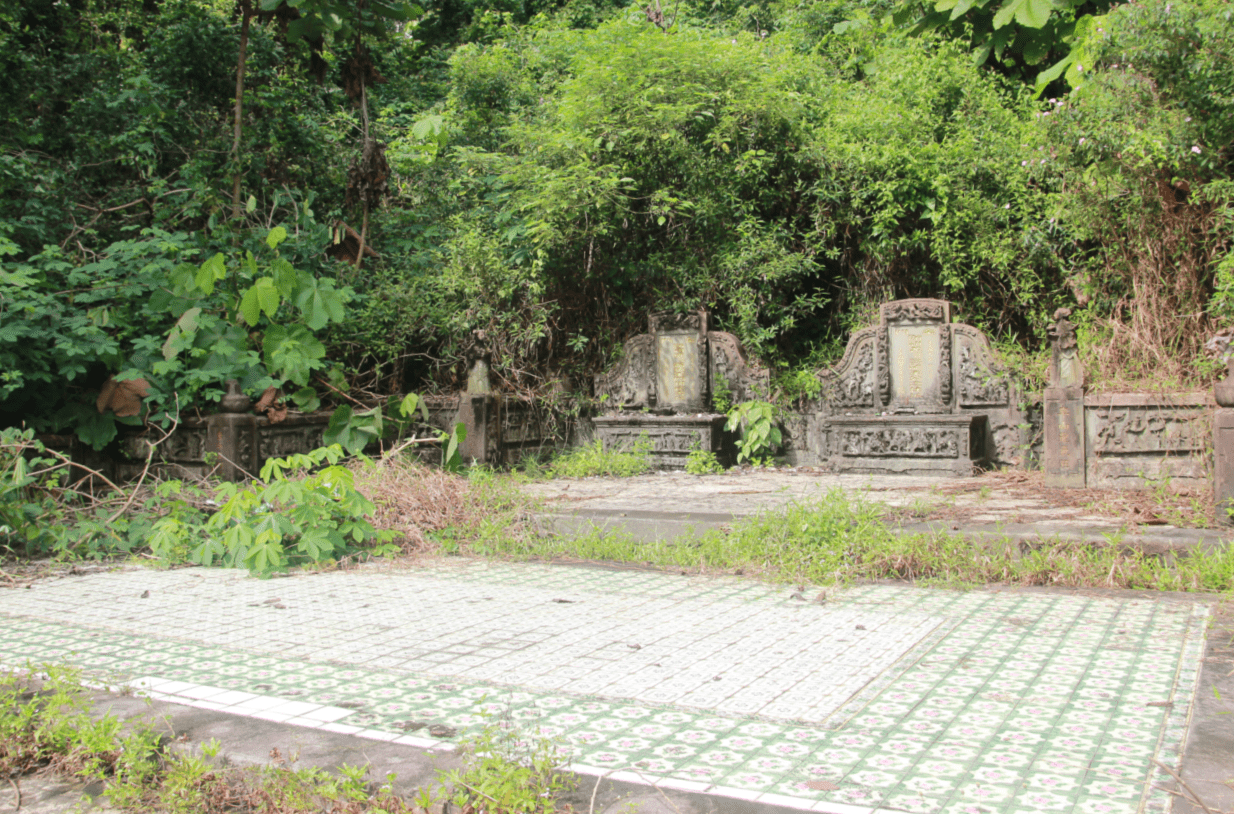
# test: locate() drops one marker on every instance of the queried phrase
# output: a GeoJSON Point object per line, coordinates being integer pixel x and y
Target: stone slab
{"type": "Point", "coordinates": [668, 506]}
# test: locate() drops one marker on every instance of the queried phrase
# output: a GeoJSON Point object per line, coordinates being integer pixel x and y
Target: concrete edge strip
{"type": "Point", "coordinates": [634, 777]}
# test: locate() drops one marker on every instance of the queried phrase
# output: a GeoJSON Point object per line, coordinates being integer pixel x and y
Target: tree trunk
{"type": "Point", "coordinates": [364, 156]}
{"type": "Point", "coordinates": [246, 15]}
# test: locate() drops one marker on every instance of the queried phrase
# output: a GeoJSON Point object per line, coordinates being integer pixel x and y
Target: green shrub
{"type": "Point", "coordinates": [280, 521]}
{"type": "Point", "coordinates": [703, 462]}
{"type": "Point", "coordinates": [593, 460]}
{"type": "Point", "coordinates": [760, 437]}
{"type": "Point", "coordinates": [508, 771]}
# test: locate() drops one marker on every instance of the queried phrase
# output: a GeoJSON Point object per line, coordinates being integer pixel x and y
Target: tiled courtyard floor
{"type": "Point", "coordinates": [892, 697]}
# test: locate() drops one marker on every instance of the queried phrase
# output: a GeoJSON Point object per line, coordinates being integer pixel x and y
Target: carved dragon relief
{"type": "Point", "coordinates": [1128, 429]}
{"type": "Point", "coordinates": [904, 442]}
{"type": "Point", "coordinates": [982, 381]}
{"type": "Point", "coordinates": [632, 383]}
{"type": "Point", "coordinates": [884, 366]}
{"type": "Point", "coordinates": [944, 363]}
{"type": "Point", "coordinates": [914, 311]}
{"type": "Point", "coordinates": [851, 383]}
{"type": "Point", "coordinates": [746, 380]}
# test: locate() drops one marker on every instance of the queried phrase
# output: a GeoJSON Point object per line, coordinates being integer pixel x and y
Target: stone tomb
{"type": "Point", "coordinates": [915, 394]}
{"type": "Point", "coordinates": [660, 392]}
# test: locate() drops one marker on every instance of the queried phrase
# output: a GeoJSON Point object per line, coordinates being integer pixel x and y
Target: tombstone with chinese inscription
{"type": "Point", "coordinates": [660, 393]}
{"type": "Point", "coordinates": [916, 394]}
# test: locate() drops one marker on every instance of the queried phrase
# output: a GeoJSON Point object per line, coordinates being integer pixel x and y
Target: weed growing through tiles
{"type": "Point", "coordinates": [45, 724]}
{"type": "Point", "coordinates": [509, 769]}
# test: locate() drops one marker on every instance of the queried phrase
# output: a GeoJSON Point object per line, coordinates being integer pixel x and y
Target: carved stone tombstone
{"type": "Point", "coordinates": [915, 356]}
{"type": "Point", "coordinates": [681, 361]}
{"type": "Point", "coordinates": [1065, 456]}
{"type": "Point", "coordinates": [660, 392]}
{"type": "Point", "coordinates": [915, 394]}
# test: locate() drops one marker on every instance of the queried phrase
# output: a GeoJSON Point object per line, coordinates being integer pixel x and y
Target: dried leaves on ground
{"type": "Point", "coordinates": [418, 500]}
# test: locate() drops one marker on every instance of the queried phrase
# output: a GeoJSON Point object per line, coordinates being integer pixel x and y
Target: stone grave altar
{"type": "Point", "coordinates": [660, 392]}
{"type": "Point", "coordinates": [915, 394]}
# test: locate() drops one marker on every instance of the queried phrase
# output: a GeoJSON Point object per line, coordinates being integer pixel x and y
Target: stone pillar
{"type": "Point", "coordinates": [1223, 447]}
{"type": "Point", "coordinates": [231, 435]}
{"type": "Point", "coordinates": [1065, 454]}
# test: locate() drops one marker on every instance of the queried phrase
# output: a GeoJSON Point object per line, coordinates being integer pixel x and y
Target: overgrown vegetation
{"type": "Point", "coordinates": [313, 509]}
{"type": "Point", "coordinates": [46, 724]}
{"type": "Point", "coordinates": [593, 460]}
{"type": "Point", "coordinates": [527, 182]}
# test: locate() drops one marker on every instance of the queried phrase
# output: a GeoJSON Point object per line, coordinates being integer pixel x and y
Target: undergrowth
{"type": "Point", "coordinates": [593, 459]}
{"type": "Point", "coordinates": [836, 541]}
{"type": "Point", "coordinates": [46, 725]}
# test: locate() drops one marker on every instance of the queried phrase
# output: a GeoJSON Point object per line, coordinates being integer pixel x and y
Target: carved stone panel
{"type": "Point", "coordinates": [1134, 438]}
{"type": "Point", "coordinates": [884, 366]}
{"type": "Point", "coordinates": [671, 438]}
{"type": "Point", "coordinates": [944, 445]}
{"type": "Point", "coordinates": [851, 384]}
{"type": "Point", "coordinates": [746, 381]}
{"type": "Point", "coordinates": [981, 381]}
{"type": "Point", "coordinates": [900, 442]}
{"type": "Point", "coordinates": [292, 437]}
{"type": "Point", "coordinates": [631, 384]}
{"type": "Point", "coordinates": [923, 310]}
{"type": "Point", "coordinates": [678, 374]}
{"type": "Point", "coordinates": [1223, 466]}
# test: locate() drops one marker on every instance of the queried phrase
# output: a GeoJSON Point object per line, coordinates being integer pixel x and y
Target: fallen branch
{"type": "Point", "coordinates": [591, 809]}
{"type": "Point", "coordinates": [1190, 795]}
{"type": "Point", "coordinates": [17, 791]}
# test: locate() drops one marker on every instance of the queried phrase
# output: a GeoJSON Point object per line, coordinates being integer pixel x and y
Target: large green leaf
{"type": "Point", "coordinates": [210, 271]}
{"type": "Point", "coordinates": [277, 235]}
{"type": "Point", "coordinates": [262, 297]}
{"type": "Point", "coordinates": [1034, 13]}
{"type": "Point", "coordinates": [292, 354]}
{"type": "Point", "coordinates": [185, 326]}
{"type": "Point", "coordinates": [320, 304]}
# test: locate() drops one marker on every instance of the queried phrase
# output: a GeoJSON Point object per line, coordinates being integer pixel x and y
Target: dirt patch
{"type": "Point", "coordinates": [1181, 508]}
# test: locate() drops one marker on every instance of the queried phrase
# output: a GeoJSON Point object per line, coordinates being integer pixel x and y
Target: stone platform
{"type": "Point", "coordinates": [993, 506]}
{"type": "Point", "coordinates": [726, 694]}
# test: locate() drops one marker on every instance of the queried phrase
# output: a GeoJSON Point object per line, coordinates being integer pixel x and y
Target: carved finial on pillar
{"type": "Point", "coordinates": [234, 400]}
{"type": "Point", "coordinates": [231, 435]}
{"type": "Point", "coordinates": [1066, 369]}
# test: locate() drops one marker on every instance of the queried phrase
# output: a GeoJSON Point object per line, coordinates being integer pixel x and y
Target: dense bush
{"type": "Point", "coordinates": [557, 170]}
